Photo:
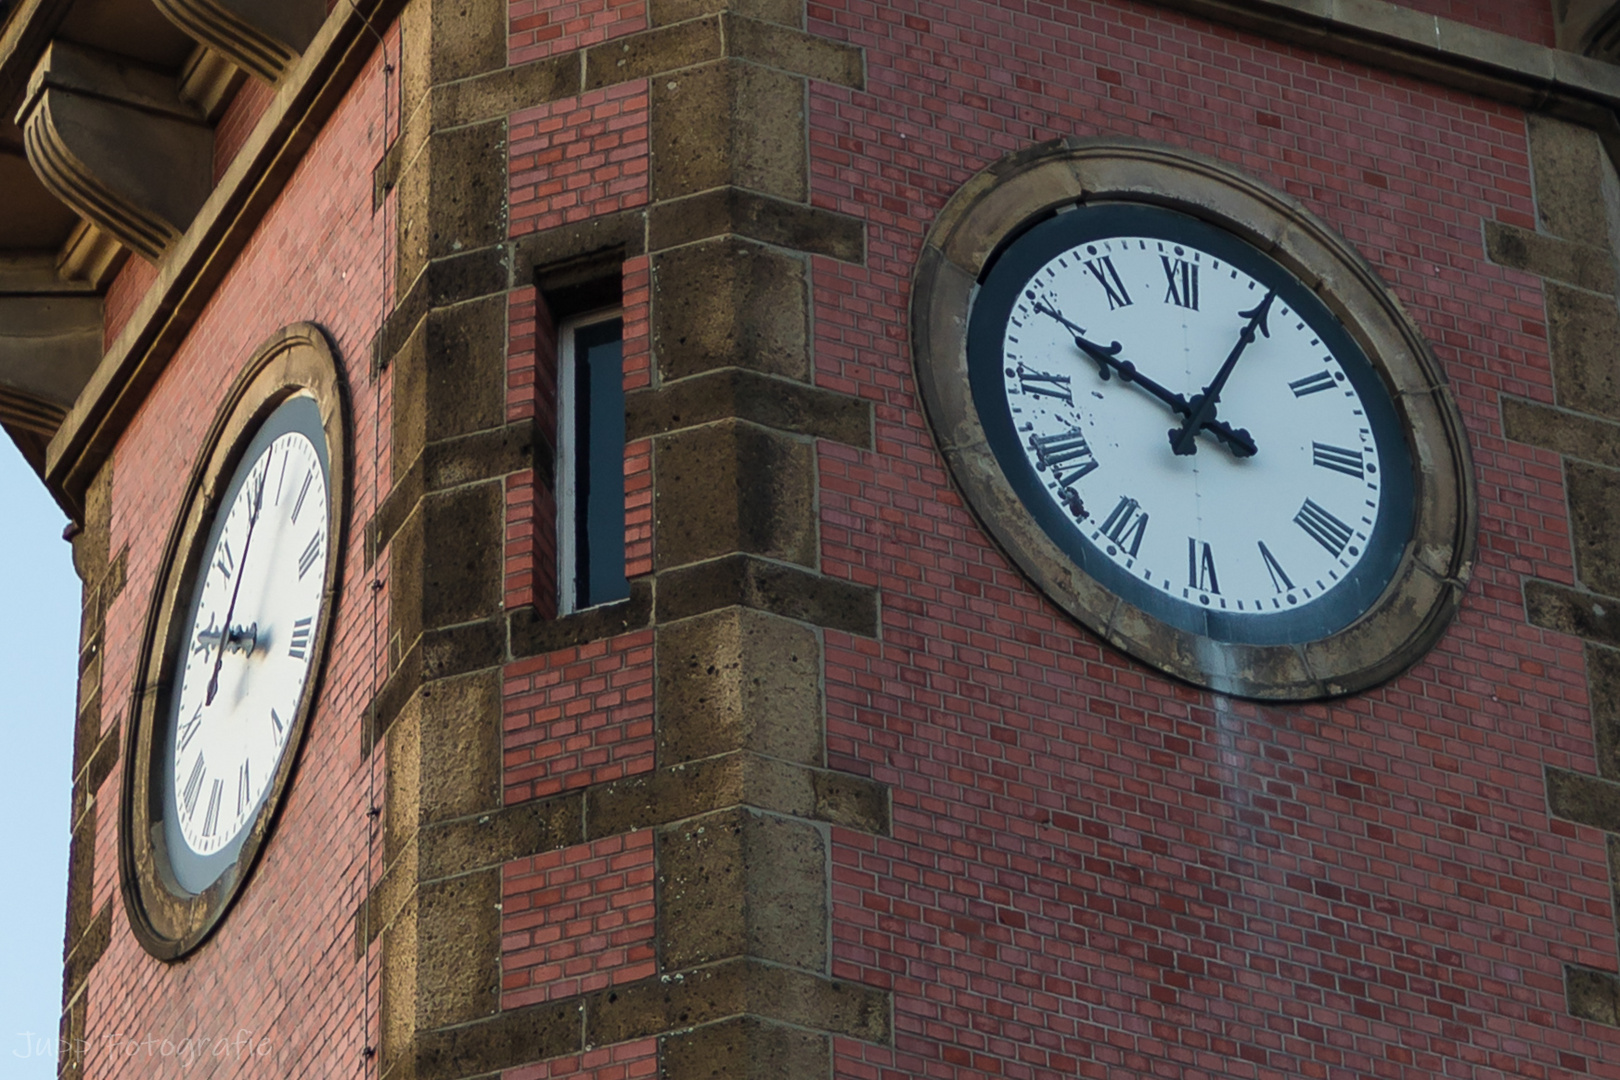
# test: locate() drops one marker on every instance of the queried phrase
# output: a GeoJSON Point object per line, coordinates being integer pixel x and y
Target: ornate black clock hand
{"type": "Point", "coordinates": [230, 610]}
{"type": "Point", "coordinates": [1203, 405]}
{"type": "Point", "coordinates": [1108, 362]}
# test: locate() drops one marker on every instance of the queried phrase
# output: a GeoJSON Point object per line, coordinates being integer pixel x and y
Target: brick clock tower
{"type": "Point", "coordinates": [762, 538]}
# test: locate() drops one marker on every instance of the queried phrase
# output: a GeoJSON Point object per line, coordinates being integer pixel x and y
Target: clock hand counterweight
{"type": "Point", "coordinates": [1203, 411]}
{"type": "Point", "coordinates": [1108, 362]}
{"type": "Point", "coordinates": [241, 572]}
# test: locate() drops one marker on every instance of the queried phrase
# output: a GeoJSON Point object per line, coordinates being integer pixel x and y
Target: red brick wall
{"type": "Point", "coordinates": [281, 971]}
{"type": "Point", "coordinates": [1095, 870]}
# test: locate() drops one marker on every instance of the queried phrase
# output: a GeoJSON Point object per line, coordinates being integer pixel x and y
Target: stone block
{"type": "Point", "coordinates": [731, 486]}
{"type": "Point", "coordinates": [452, 198]}
{"type": "Point", "coordinates": [1568, 165]}
{"type": "Point", "coordinates": [746, 1048]}
{"type": "Point", "coordinates": [739, 680]}
{"type": "Point", "coordinates": [1594, 511]}
{"type": "Point", "coordinates": [1584, 333]}
{"type": "Point", "coordinates": [730, 303]}
{"type": "Point", "coordinates": [728, 123]}
{"type": "Point", "coordinates": [742, 883]}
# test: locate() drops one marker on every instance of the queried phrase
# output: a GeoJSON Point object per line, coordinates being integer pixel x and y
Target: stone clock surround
{"type": "Point", "coordinates": [1426, 588]}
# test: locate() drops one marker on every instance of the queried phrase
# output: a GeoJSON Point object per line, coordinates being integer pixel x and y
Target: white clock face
{"type": "Point", "coordinates": [1200, 429]}
{"type": "Point", "coordinates": [249, 646]}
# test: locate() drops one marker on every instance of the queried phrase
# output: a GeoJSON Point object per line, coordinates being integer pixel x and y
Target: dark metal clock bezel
{"type": "Point", "coordinates": [1004, 280]}
{"type": "Point", "coordinates": [1023, 189]}
{"type": "Point", "coordinates": [168, 919]}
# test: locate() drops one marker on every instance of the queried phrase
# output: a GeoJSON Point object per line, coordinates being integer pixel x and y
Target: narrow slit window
{"type": "Point", "coordinates": [590, 463]}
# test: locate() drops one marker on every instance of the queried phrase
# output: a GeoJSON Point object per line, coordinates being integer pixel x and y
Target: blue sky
{"type": "Point", "coordinates": [39, 626]}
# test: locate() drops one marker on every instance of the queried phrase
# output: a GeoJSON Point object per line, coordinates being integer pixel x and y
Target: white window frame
{"type": "Point", "coordinates": [567, 461]}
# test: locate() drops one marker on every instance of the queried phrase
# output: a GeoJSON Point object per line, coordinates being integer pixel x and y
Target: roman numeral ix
{"type": "Point", "coordinates": [1066, 455]}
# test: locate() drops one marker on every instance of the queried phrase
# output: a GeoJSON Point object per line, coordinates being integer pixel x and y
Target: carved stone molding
{"type": "Point", "coordinates": [1591, 27]}
{"type": "Point", "coordinates": [115, 142]}
{"type": "Point", "coordinates": [50, 342]}
{"type": "Point", "coordinates": [91, 255]}
{"type": "Point", "coordinates": [264, 37]}
{"type": "Point", "coordinates": [209, 81]}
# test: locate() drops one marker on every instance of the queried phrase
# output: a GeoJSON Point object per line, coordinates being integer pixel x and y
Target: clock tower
{"type": "Point", "coordinates": [765, 538]}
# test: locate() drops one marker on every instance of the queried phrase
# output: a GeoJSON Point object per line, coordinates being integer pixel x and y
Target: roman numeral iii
{"type": "Point", "coordinates": [298, 644]}
{"type": "Point", "coordinates": [1066, 455]}
{"type": "Point", "coordinates": [1338, 458]}
{"type": "Point", "coordinates": [1182, 278]}
{"type": "Point", "coordinates": [1103, 270]}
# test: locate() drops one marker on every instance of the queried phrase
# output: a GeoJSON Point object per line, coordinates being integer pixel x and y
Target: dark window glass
{"type": "Point", "coordinates": [598, 359]}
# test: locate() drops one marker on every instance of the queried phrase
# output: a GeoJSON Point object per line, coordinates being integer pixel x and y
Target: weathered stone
{"type": "Point", "coordinates": [660, 50]}
{"type": "Point", "coordinates": [452, 198]}
{"type": "Point", "coordinates": [1569, 433]}
{"type": "Point", "coordinates": [748, 395]}
{"type": "Point", "coordinates": [739, 680]}
{"type": "Point", "coordinates": [737, 988]}
{"type": "Point", "coordinates": [1594, 516]}
{"type": "Point", "coordinates": [1567, 162]}
{"type": "Point", "coordinates": [731, 486]}
{"type": "Point", "coordinates": [443, 41]}
{"type": "Point", "coordinates": [83, 954]}
{"type": "Point", "coordinates": [767, 586]}
{"type": "Point", "coordinates": [1584, 333]}
{"type": "Point", "coordinates": [533, 634]}
{"type": "Point", "coordinates": [457, 936]}
{"type": "Point", "coordinates": [482, 455]}
{"type": "Point", "coordinates": [746, 1048]}
{"type": "Point", "coordinates": [1580, 264]}
{"type": "Point", "coordinates": [1603, 688]}
{"type": "Point", "coordinates": [454, 726]}
{"type": "Point", "coordinates": [742, 883]}
{"type": "Point", "coordinates": [1571, 611]}
{"type": "Point", "coordinates": [506, 91]}
{"type": "Point", "coordinates": [792, 50]}
{"type": "Point", "coordinates": [1593, 995]}
{"type": "Point", "coordinates": [448, 561]}
{"type": "Point", "coordinates": [492, 839]}
{"type": "Point", "coordinates": [515, 1037]}
{"type": "Point", "coordinates": [453, 280]}
{"type": "Point", "coordinates": [730, 303]}
{"type": "Point", "coordinates": [1589, 800]}
{"type": "Point", "coordinates": [728, 123]}
{"type": "Point", "coordinates": [730, 210]}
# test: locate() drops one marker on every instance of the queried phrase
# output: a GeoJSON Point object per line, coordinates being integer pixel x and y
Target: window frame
{"type": "Point", "coordinates": [569, 456]}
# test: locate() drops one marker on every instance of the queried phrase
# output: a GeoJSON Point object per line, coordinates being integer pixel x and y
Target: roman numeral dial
{"type": "Point", "coordinates": [1116, 340]}
{"type": "Point", "coordinates": [255, 631]}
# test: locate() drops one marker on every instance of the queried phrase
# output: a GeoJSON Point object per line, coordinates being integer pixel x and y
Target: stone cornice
{"type": "Point", "coordinates": [199, 260]}
{"type": "Point", "coordinates": [1429, 47]}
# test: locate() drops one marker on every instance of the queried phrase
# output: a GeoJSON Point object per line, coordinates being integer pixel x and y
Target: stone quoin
{"type": "Point", "coordinates": [716, 672]}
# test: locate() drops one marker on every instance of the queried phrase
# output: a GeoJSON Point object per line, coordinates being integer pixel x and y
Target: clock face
{"type": "Point", "coordinates": [1190, 424]}
{"type": "Point", "coordinates": [247, 650]}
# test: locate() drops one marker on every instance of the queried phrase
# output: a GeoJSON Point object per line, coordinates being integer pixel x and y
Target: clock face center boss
{"type": "Point", "coordinates": [1191, 424]}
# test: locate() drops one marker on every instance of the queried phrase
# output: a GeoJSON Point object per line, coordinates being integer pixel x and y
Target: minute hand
{"type": "Point", "coordinates": [1203, 410]}
{"type": "Point", "coordinates": [1108, 361]}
